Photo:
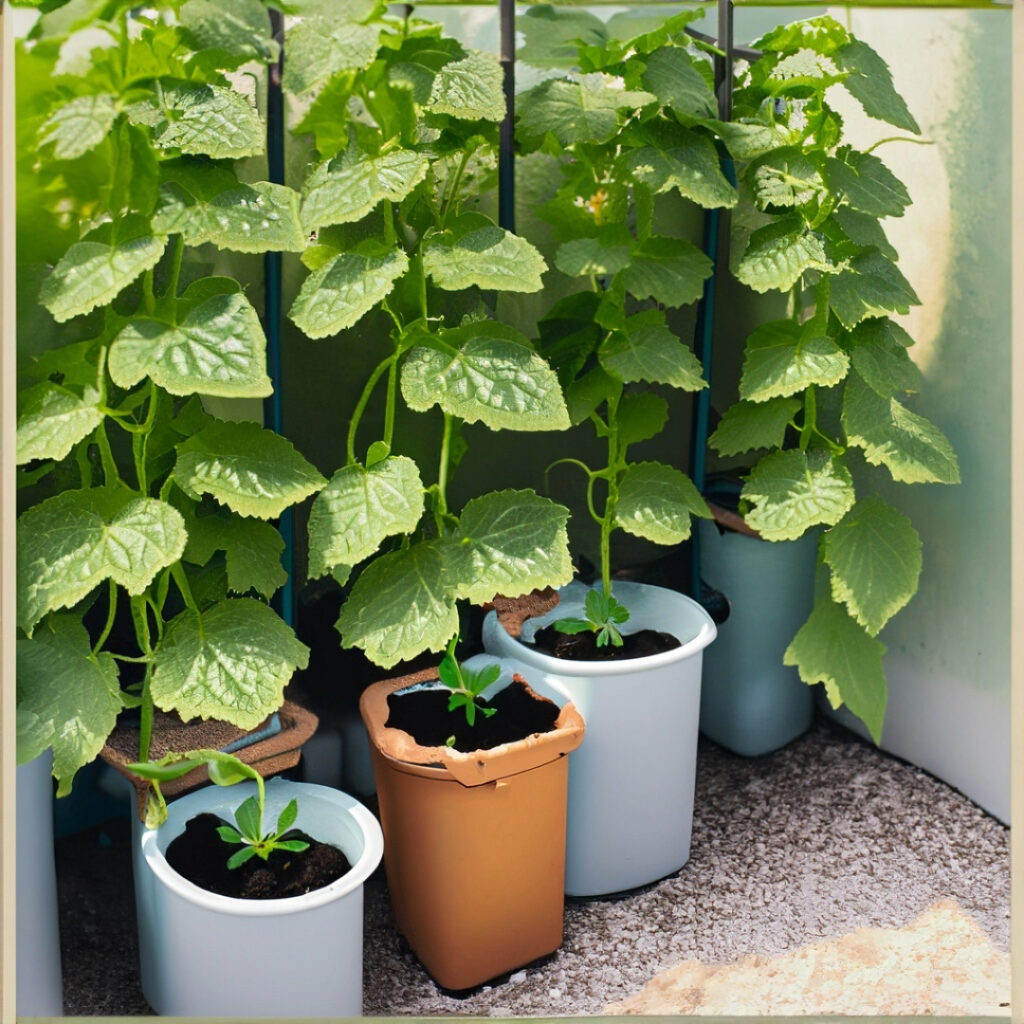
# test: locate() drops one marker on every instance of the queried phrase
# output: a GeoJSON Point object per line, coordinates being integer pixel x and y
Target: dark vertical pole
{"type": "Point", "coordinates": [704, 330]}
{"type": "Point", "coordinates": [506, 138]}
{"type": "Point", "coordinates": [273, 411]}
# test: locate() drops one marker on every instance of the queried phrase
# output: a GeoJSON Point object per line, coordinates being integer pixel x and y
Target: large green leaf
{"type": "Point", "coordinates": [648, 351]}
{"type": "Point", "coordinates": [470, 89]}
{"type": "Point", "coordinates": [202, 120]}
{"type": "Point", "coordinates": [94, 271]}
{"type": "Point", "coordinates": [230, 662]}
{"type": "Point", "coordinates": [912, 448]}
{"type": "Point", "coordinates": [69, 543]}
{"type": "Point", "coordinates": [344, 289]}
{"type": "Point", "coordinates": [53, 419]}
{"type": "Point", "coordinates": [253, 471]}
{"type": "Point", "coordinates": [347, 188]}
{"type": "Point", "coordinates": [488, 257]}
{"type": "Point", "coordinates": [218, 349]}
{"type": "Point", "coordinates": [672, 76]}
{"type": "Point", "coordinates": [641, 415]}
{"type": "Point", "coordinates": [779, 253]}
{"type": "Point", "coordinates": [747, 140]}
{"type": "Point", "coordinates": [584, 109]}
{"type": "Point", "coordinates": [402, 604]}
{"type": "Point", "coordinates": [552, 35]}
{"type": "Point", "coordinates": [656, 503]}
{"type": "Point", "coordinates": [67, 698]}
{"type": "Point", "coordinates": [787, 177]}
{"type": "Point", "coordinates": [823, 35]}
{"type": "Point", "coordinates": [516, 542]}
{"type": "Point", "coordinates": [871, 286]}
{"type": "Point", "coordinates": [878, 351]}
{"type": "Point", "coordinates": [586, 257]}
{"type": "Point", "coordinates": [783, 358]}
{"type": "Point", "coordinates": [831, 648]}
{"type": "Point", "coordinates": [793, 490]}
{"type": "Point", "coordinates": [681, 159]}
{"type": "Point", "coordinates": [862, 229]}
{"type": "Point", "coordinates": [79, 125]}
{"type": "Point", "coordinates": [671, 271]}
{"type": "Point", "coordinates": [206, 203]}
{"type": "Point", "coordinates": [874, 553]}
{"type": "Point", "coordinates": [320, 47]}
{"type": "Point", "coordinates": [870, 82]}
{"type": "Point", "coordinates": [868, 185]}
{"type": "Point", "coordinates": [252, 550]}
{"type": "Point", "coordinates": [359, 508]}
{"type": "Point", "coordinates": [750, 425]}
{"type": "Point", "coordinates": [239, 28]}
{"type": "Point", "coordinates": [489, 374]}
{"type": "Point", "coordinates": [798, 74]}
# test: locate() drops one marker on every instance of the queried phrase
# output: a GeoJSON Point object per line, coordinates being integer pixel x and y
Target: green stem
{"type": "Point", "coordinates": [899, 138]}
{"type": "Point", "coordinates": [612, 498]}
{"type": "Point", "coordinates": [178, 574]}
{"type": "Point", "coordinates": [111, 612]}
{"type": "Point", "coordinates": [452, 191]}
{"type": "Point", "coordinates": [423, 289]}
{"type": "Point", "coordinates": [84, 465]}
{"type": "Point", "coordinates": [442, 466]}
{"type": "Point", "coordinates": [148, 298]}
{"type": "Point", "coordinates": [364, 398]}
{"type": "Point", "coordinates": [146, 713]}
{"type": "Point", "coordinates": [392, 397]}
{"type": "Point", "coordinates": [110, 474]}
{"type": "Point", "coordinates": [140, 440]}
{"type": "Point", "coordinates": [810, 417]}
{"type": "Point", "coordinates": [176, 260]}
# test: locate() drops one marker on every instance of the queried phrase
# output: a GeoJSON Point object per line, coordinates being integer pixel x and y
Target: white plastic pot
{"type": "Point", "coordinates": [38, 982]}
{"type": "Point", "coordinates": [631, 782]}
{"type": "Point", "coordinates": [207, 955]}
{"type": "Point", "coordinates": [751, 703]}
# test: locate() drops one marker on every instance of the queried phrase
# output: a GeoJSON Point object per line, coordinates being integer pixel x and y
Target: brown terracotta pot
{"type": "Point", "coordinates": [474, 843]}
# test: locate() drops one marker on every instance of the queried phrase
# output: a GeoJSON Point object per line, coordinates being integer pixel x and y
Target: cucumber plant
{"type": "Point", "coordinates": [626, 122]}
{"type": "Point", "coordinates": [825, 388]}
{"type": "Point", "coordinates": [403, 124]}
{"type": "Point", "coordinates": [224, 770]}
{"type": "Point", "coordinates": [146, 544]}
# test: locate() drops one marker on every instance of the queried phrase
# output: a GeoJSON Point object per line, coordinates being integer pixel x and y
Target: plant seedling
{"type": "Point", "coordinates": [225, 770]}
{"type": "Point", "coordinates": [249, 819]}
{"type": "Point", "coordinates": [466, 684]}
{"type": "Point", "coordinates": [603, 611]}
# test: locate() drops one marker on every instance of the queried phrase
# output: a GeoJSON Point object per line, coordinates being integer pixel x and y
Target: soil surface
{"type": "Point", "coordinates": [200, 855]}
{"type": "Point", "coordinates": [425, 716]}
{"type": "Point", "coordinates": [583, 646]}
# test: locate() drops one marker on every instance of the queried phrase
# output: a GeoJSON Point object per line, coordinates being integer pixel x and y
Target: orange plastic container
{"type": "Point", "coordinates": [474, 843]}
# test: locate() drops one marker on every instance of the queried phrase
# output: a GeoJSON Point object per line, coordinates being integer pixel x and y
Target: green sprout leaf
{"type": "Point", "coordinates": [488, 257]}
{"type": "Point", "coordinates": [783, 358]}
{"type": "Point", "coordinates": [53, 419]}
{"type": "Point", "coordinates": [79, 126]}
{"type": "Point", "coordinates": [470, 89]}
{"type": "Point", "coordinates": [746, 426]}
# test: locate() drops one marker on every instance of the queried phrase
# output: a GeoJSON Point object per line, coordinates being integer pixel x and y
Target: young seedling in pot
{"type": "Point", "coordinates": [225, 770]}
{"type": "Point", "coordinates": [466, 684]}
{"type": "Point", "coordinates": [603, 611]}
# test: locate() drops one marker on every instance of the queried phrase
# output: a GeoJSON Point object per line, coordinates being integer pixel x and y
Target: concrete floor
{"type": "Point", "coordinates": [789, 850]}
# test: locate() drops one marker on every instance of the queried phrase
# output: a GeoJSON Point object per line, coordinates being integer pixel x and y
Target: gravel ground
{"type": "Point", "coordinates": [812, 842]}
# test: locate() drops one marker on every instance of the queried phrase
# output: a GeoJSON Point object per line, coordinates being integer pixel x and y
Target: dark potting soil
{"type": "Point", "coordinates": [200, 855]}
{"type": "Point", "coordinates": [425, 716]}
{"type": "Point", "coordinates": [583, 646]}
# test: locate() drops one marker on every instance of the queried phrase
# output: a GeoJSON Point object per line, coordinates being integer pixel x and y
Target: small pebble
{"type": "Point", "coordinates": [518, 977]}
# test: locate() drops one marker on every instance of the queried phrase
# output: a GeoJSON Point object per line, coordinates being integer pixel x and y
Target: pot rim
{"type": "Point", "coordinates": [470, 768]}
{"type": "Point", "coordinates": [373, 850]}
{"type": "Point", "coordinates": [534, 658]}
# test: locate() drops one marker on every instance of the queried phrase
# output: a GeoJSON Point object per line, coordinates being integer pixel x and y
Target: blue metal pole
{"type": "Point", "coordinates": [506, 138]}
{"type": "Point", "coordinates": [273, 407]}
